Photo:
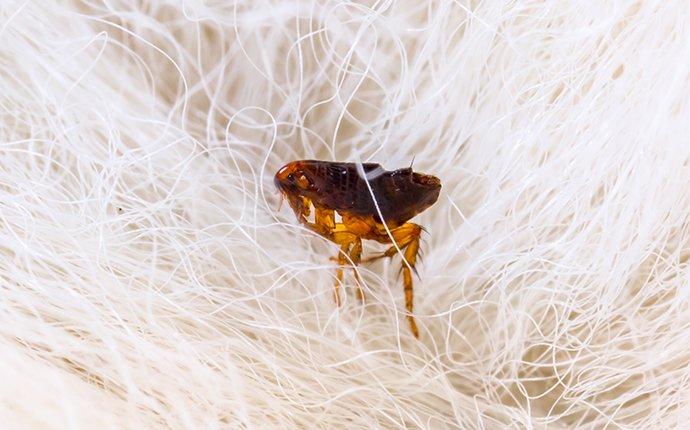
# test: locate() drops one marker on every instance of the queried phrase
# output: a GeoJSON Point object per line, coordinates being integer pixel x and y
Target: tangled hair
{"type": "Point", "coordinates": [150, 280]}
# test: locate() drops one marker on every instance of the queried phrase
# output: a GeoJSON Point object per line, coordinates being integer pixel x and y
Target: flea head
{"type": "Point", "coordinates": [295, 181]}
{"type": "Point", "coordinates": [294, 178]}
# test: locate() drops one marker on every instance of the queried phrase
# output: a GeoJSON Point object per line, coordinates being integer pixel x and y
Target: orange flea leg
{"type": "Point", "coordinates": [302, 208]}
{"type": "Point", "coordinates": [407, 238]}
{"type": "Point", "coordinates": [325, 218]}
{"type": "Point", "coordinates": [390, 252]}
{"type": "Point", "coordinates": [411, 257]}
{"type": "Point", "coordinates": [350, 246]}
{"type": "Point", "coordinates": [339, 273]}
{"type": "Point", "coordinates": [356, 257]}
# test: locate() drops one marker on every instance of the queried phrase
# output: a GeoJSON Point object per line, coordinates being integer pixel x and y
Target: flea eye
{"type": "Point", "coordinates": [291, 177]}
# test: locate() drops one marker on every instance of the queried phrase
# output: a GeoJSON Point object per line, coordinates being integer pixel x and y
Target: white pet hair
{"type": "Point", "coordinates": [151, 279]}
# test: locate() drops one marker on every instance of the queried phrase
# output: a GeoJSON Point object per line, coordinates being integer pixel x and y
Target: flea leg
{"type": "Point", "coordinates": [342, 260]}
{"type": "Point", "coordinates": [324, 219]}
{"type": "Point", "coordinates": [403, 235]}
{"type": "Point", "coordinates": [407, 239]}
{"type": "Point", "coordinates": [324, 224]}
{"type": "Point", "coordinates": [411, 256]}
{"type": "Point", "coordinates": [390, 252]}
{"type": "Point", "coordinates": [407, 236]}
{"type": "Point", "coordinates": [350, 245]}
{"type": "Point", "coordinates": [346, 240]}
{"type": "Point", "coordinates": [355, 254]}
{"type": "Point", "coordinates": [356, 257]}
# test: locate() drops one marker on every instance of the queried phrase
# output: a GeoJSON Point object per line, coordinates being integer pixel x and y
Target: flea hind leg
{"type": "Point", "coordinates": [411, 233]}
{"type": "Point", "coordinates": [407, 240]}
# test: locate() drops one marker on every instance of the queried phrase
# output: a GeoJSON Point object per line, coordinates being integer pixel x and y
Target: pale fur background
{"type": "Point", "coordinates": [150, 280]}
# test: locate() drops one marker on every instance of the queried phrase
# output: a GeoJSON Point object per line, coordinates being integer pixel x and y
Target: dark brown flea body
{"type": "Point", "coordinates": [401, 194]}
{"type": "Point", "coordinates": [340, 187]}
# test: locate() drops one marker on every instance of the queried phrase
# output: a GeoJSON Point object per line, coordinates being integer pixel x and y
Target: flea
{"type": "Point", "coordinates": [334, 187]}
